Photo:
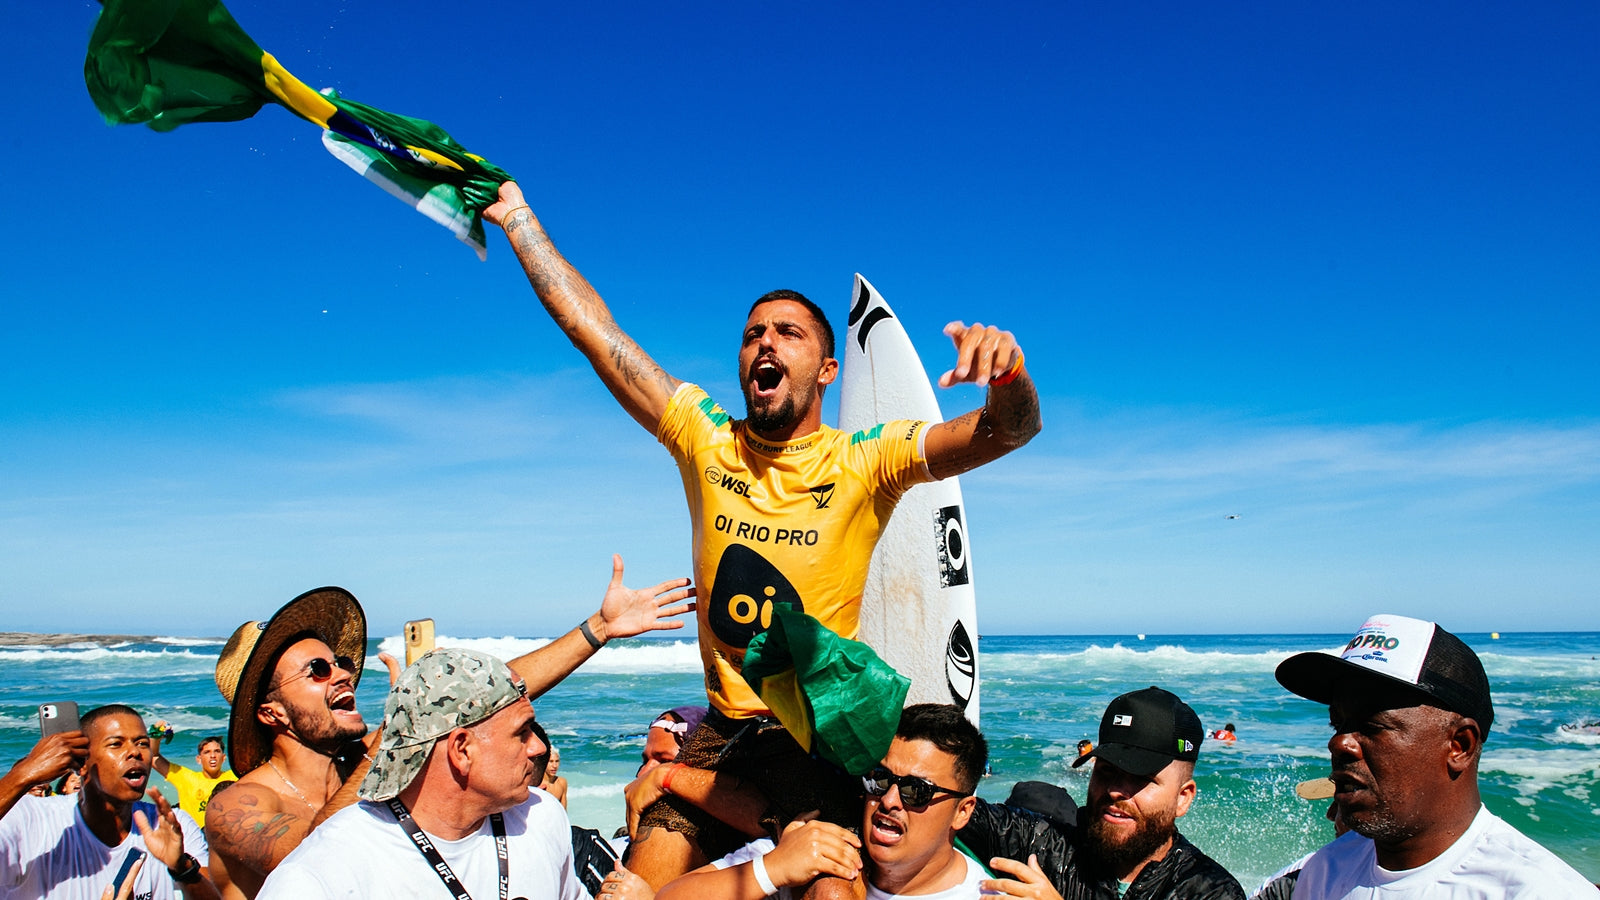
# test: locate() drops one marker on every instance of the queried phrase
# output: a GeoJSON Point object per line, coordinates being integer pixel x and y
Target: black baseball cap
{"type": "Point", "coordinates": [1142, 731]}
{"type": "Point", "coordinates": [1401, 658]}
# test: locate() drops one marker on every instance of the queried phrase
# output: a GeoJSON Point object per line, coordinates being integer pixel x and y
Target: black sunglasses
{"type": "Point", "coordinates": [915, 792]}
{"type": "Point", "coordinates": [321, 669]}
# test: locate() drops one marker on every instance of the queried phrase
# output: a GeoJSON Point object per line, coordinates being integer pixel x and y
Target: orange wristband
{"type": "Point", "coordinates": [666, 780]}
{"type": "Point", "coordinates": [1010, 374]}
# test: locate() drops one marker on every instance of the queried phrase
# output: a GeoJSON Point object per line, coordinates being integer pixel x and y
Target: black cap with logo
{"type": "Point", "coordinates": [1143, 731]}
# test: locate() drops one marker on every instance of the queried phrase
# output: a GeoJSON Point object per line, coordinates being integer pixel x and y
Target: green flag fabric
{"type": "Point", "coordinates": [834, 695]}
{"type": "Point", "coordinates": [167, 63]}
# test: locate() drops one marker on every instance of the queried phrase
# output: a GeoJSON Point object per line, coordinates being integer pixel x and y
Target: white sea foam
{"type": "Point", "coordinates": [188, 642]}
{"type": "Point", "coordinates": [1170, 658]}
{"type": "Point", "coordinates": [651, 657]}
{"type": "Point", "coordinates": [95, 653]}
{"type": "Point", "coordinates": [1534, 771]}
{"type": "Point", "coordinates": [605, 790]}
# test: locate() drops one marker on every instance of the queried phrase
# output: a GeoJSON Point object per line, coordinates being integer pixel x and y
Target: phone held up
{"type": "Point", "coordinates": [55, 718]}
{"type": "Point", "coordinates": [419, 639]}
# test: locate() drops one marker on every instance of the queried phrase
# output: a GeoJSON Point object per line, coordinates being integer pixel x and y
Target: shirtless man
{"type": "Point", "coordinates": [298, 744]}
{"type": "Point", "coordinates": [784, 508]}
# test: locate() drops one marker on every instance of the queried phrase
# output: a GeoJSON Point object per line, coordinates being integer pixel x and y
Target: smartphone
{"type": "Point", "coordinates": [134, 855]}
{"type": "Point", "coordinates": [419, 639]}
{"type": "Point", "coordinates": [55, 718]}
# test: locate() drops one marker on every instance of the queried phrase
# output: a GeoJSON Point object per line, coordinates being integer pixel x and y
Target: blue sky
{"type": "Point", "coordinates": [1333, 270]}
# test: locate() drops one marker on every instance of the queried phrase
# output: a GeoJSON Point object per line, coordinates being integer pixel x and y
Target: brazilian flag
{"type": "Point", "coordinates": [167, 63]}
{"type": "Point", "coordinates": [836, 696]}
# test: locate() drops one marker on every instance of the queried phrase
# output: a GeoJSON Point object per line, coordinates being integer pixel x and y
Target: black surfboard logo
{"type": "Point", "coordinates": [960, 666]}
{"type": "Point", "coordinates": [951, 536]}
{"type": "Point", "coordinates": [746, 589]}
{"type": "Point", "coordinates": [878, 314]}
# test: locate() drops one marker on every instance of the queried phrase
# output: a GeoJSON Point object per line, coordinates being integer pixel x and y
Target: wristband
{"type": "Point", "coordinates": [666, 780]}
{"type": "Point", "coordinates": [758, 868]}
{"type": "Point", "coordinates": [588, 635]}
{"type": "Point", "coordinates": [187, 871]}
{"type": "Point", "coordinates": [1010, 374]}
{"type": "Point", "coordinates": [506, 219]}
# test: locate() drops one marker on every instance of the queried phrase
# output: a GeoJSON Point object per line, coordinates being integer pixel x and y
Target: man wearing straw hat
{"type": "Point", "coordinates": [294, 734]}
{"type": "Point", "coordinates": [449, 797]}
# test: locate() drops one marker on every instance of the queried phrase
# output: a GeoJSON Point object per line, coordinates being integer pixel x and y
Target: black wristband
{"type": "Point", "coordinates": [188, 870]}
{"type": "Point", "coordinates": [588, 635]}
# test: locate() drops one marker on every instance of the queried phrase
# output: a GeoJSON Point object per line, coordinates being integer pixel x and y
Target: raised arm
{"type": "Point", "coordinates": [51, 758]}
{"type": "Point", "coordinates": [624, 612]}
{"type": "Point", "coordinates": [1009, 417]}
{"type": "Point", "coordinates": [641, 386]}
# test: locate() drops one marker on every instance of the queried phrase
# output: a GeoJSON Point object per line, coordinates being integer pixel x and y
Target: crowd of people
{"type": "Point", "coordinates": [458, 790]}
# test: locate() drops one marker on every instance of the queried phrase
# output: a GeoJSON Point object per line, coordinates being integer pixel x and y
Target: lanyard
{"type": "Point", "coordinates": [497, 823]}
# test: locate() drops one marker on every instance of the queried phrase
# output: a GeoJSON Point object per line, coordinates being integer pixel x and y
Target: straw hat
{"type": "Point", "coordinates": [332, 613]}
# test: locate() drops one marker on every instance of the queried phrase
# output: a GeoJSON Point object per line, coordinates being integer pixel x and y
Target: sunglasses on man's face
{"type": "Point", "coordinates": [320, 670]}
{"type": "Point", "coordinates": [915, 793]}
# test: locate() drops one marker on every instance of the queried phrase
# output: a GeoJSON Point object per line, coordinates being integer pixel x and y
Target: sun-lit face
{"type": "Point", "coordinates": [903, 841]}
{"type": "Point", "coordinates": [210, 758]}
{"type": "Point", "coordinates": [119, 757]}
{"type": "Point", "coordinates": [503, 749]}
{"type": "Point", "coordinates": [322, 714]}
{"type": "Point", "coordinates": [1132, 817]}
{"type": "Point", "coordinates": [781, 368]}
{"type": "Point", "coordinates": [1388, 766]}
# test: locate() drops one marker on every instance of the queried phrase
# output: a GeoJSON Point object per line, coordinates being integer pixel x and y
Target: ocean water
{"type": "Point", "coordinates": [1040, 695]}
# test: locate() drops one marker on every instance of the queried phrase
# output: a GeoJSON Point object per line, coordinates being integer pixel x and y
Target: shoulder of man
{"type": "Point", "coordinates": [1189, 874]}
{"type": "Point", "coordinates": [998, 830]}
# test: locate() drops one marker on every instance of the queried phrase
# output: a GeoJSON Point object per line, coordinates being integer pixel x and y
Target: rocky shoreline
{"type": "Point", "coordinates": [29, 639]}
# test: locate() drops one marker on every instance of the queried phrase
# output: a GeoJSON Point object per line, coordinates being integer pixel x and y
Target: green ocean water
{"type": "Point", "coordinates": [1040, 694]}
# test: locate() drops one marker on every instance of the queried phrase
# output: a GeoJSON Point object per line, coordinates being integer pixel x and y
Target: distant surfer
{"type": "Point", "coordinates": [1225, 734]}
{"type": "Point", "coordinates": [784, 509]}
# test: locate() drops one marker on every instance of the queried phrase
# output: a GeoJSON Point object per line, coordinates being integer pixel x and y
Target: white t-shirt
{"type": "Point", "coordinates": [966, 890]}
{"type": "Point", "coordinates": [362, 851]}
{"type": "Point", "coordinates": [46, 850]}
{"type": "Point", "coordinates": [1490, 860]}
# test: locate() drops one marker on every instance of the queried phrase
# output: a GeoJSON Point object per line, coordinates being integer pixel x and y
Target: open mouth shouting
{"type": "Point", "coordinates": [136, 777]}
{"type": "Point", "coordinates": [342, 702]}
{"type": "Point", "coordinates": [886, 829]}
{"type": "Point", "coordinates": [765, 377]}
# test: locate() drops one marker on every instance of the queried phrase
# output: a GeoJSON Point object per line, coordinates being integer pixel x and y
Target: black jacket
{"type": "Point", "coordinates": [1183, 874]}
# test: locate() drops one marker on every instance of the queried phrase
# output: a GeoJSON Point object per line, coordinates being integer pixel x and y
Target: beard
{"type": "Point", "coordinates": [318, 729]}
{"type": "Point", "coordinates": [772, 418]}
{"type": "Point", "coordinates": [1120, 852]}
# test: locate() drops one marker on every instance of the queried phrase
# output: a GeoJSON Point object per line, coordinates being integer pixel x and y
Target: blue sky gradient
{"type": "Point", "coordinates": [1333, 270]}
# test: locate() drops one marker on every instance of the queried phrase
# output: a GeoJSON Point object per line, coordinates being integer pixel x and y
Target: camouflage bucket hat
{"type": "Point", "coordinates": [443, 690]}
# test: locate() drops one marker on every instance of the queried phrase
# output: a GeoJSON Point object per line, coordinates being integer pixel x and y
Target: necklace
{"type": "Point", "coordinates": [290, 784]}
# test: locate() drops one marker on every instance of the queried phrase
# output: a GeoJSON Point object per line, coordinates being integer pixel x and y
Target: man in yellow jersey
{"type": "Point", "coordinates": [195, 786]}
{"type": "Point", "coordinates": [784, 508]}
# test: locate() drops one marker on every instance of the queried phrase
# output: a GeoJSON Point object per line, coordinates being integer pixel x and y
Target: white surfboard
{"type": "Point", "coordinates": [919, 611]}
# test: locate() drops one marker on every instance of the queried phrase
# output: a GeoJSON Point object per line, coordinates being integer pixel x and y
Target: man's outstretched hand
{"type": "Point", "coordinates": [626, 612]}
{"type": "Point", "coordinates": [983, 353]}
{"type": "Point", "coordinates": [510, 199]}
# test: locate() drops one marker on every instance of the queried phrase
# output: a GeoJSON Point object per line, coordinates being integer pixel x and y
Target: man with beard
{"type": "Point", "coordinates": [71, 847]}
{"type": "Point", "coordinates": [1125, 842]}
{"type": "Point", "coordinates": [296, 739]}
{"type": "Point", "coordinates": [784, 510]}
{"type": "Point", "coordinates": [1410, 708]}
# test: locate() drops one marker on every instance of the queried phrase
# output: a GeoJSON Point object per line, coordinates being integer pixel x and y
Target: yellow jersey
{"type": "Point", "coordinates": [194, 788]}
{"type": "Point", "coordinates": [792, 522]}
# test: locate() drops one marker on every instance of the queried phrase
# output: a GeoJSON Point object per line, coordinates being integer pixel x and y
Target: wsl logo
{"type": "Point", "coordinates": [952, 540]}
{"type": "Point", "coordinates": [745, 590]}
{"type": "Point", "coordinates": [960, 666]}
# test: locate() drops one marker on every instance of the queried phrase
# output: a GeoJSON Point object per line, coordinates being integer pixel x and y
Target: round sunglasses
{"type": "Point", "coordinates": [915, 793]}
{"type": "Point", "coordinates": [320, 670]}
